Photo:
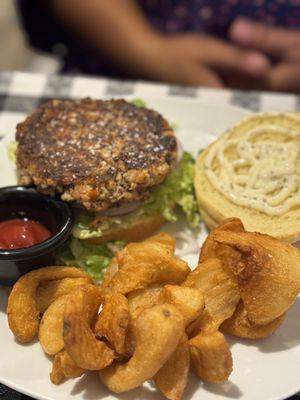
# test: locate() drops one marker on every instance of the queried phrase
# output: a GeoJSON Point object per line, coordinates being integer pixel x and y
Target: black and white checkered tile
{"type": "Point", "coordinates": [21, 93]}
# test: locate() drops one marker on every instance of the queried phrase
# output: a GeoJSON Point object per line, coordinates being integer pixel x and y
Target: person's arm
{"type": "Point", "coordinates": [116, 28]}
{"type": "Point", "coordinates": [119, 30]}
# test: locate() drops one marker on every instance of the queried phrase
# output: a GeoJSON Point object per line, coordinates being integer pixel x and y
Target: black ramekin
{"type": "Point", "coordinates": [55, 215]}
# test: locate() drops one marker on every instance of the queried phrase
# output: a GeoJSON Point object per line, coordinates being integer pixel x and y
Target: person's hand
{"type": "Point", "coordinates": [280, 44]}
{"type": "Point", "coordinates": [194, 59]}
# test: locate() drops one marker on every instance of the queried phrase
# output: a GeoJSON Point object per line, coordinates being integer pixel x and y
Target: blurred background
{"type": "Point", "coordinates": [15, 53]}
{"type": "Point", "coordinates": [216, 43]}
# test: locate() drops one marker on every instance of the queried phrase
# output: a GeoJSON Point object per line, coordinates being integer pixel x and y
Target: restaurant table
{"type": "Point", "coordinates": [21, 92]}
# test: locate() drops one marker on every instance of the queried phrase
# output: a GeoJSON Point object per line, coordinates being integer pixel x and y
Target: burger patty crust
{"type": "Point", "coordinates": [93, 152]}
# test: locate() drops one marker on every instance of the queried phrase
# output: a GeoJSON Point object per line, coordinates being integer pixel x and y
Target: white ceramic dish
{"type": "Point", "coordinates": [263, 370]}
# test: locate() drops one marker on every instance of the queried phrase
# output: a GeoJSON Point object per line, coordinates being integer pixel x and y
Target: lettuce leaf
{"type": "Point", "coordinates": [12, 151]}
{"type": "Point", "coordinates": [176, 192]}
{"type": "Point", "coordinates": [91, 257]}
{"type": "Point", "coordinates": [138, 102]}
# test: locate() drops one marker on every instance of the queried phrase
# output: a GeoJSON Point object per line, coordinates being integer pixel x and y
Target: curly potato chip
{"type": "Point", "coordinates": [141, 299]}
{"type": "Point", "coordinates": [23, 314]}
{"type": "Point", "coordinates": [49, 291]}
{"type": "Point", "coordinates": [51, 327]}
{"type": "Point", "coordinates": [157, 332]}
{"type": "Point", "coordinates": [240, 326]}
{"type": "Point", "coordinates": [143, 264]}
{"type": "Point", "coordinates": [113, 320]}
{"type": "Point", "coordinates": [268, 273]}
{"type": "Point", "coordinates": [172, 378]}
{"type": "Point", "coordinates": [163, 238]}
{"type": "Point", "coordinates": [189, 301]}
{"type": "Point", "coordinates": [64, 367]}
{"type": "Point", "coordinates": [211, 357]}
{"type": "Point", "coordinates": [80, 312]}
{"type": "Point", "coordinates": [220, 291]}
{"type": "Point", "coordinates": [212, 249]}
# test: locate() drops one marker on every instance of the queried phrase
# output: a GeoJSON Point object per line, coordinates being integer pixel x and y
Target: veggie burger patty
{"type": "Point", "coordinates": [96, 153]}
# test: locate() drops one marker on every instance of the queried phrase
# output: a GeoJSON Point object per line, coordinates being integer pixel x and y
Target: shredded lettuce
{"type": "Point", "coordinates": [12, 150]}
{"type": "Point", "coordinates": [94, 258]}
{"type": "Point", "coordinates": [138, 102]}
{"type": "Point", "coordinates": [84, 228]}
{"type": "Point", "coordinates": [176, 192]}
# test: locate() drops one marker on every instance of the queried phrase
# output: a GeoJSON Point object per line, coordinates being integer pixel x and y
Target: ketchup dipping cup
{"type": "Point", "coordinates": [19, 202]}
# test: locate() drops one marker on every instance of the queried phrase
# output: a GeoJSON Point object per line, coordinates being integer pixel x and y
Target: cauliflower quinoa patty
{"type": "Point", "coordinates": [96, 153]}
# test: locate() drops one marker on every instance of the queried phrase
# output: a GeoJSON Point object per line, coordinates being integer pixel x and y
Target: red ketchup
{"type": "Point", "coordinates": [19, 233]}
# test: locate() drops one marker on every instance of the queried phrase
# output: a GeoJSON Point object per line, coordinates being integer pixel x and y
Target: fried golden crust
{"type": "Point", "coordinates": [211, 357]}
{"type": "Point", "coordinates": [142, 264]}
{"type": "Point", "coordinates": [51, 327]}
{"type": "Point", "coordinates": [49, 291]}
{"type": "Point", "coordinates": [80, 341]}
{"type": "Point", "coordinates": [157, 332]}
{"type": "Point", "coordinates": [268, 273]}
{"type": "Point", "coordinates": [64, 367]}
{"type": "Point", "coordinates": [172, 378]}
{"type": "Point", "coordinates": [240, 326]}
{"type": "Point", "coordinates": [113, 320]}
{"type": "Point", "coordinates": [22, 310]}
{"type": "Point", "coordinates": [94, 152]}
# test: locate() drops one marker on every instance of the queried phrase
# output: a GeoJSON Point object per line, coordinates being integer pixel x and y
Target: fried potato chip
{"type": "Point", "coordinates": [23, 314]}
{"type": "Point", "coordinates": [141, 299]}
{"type": "Point", "coordinates": [189, 301]}
{"type": "Point", "coordinates": [268, 273]}
{"type": "Point", "coordinates": [64, 367]}
{"type": "Point", "coordinates": [157, 332]}
{"type": "Point", "coordinates": [143, 264]}
{"type": "Point", "coordinates": [51, 327]}
{"type": "Point", "coordinates": [211, 357]}
{"type": "Point", "coordinates": [113, 320]}
{"type": "Point", "coordinates": [163, 238]}
{"type": "Point", "coordinates": [213, 249]}
{"type": "Point", "coordinates": [49, 291]}
{"type": "Point", "coordinates": [110, 272]}
{"type": "Point", "coordinates": [172, 378]}
{"type": "Point", "coordinates": [220, 291]}
{"type": "Point", "coordinates": [80, 312]}
{"type": "Point", "coordinates": [240, 326]}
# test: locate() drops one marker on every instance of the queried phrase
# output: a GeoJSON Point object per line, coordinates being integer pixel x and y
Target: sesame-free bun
{"type": "Point", "coordinates": [143, 228]}
{"type": "Point", "coordinates": [215, 207]}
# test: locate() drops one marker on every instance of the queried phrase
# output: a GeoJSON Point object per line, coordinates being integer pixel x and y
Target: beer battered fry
{"type": "Point", "coordinates": [240, 326]}
{"type": "Point", "coordinates": [172, 378]}
{"type": "Point", "coordinates": [268, 273]}
{"type": "Point", "coordinates": [49, 291]}
{"type": "Point", "coordinates": [211, 357]}
{"type": "Point", "coordinates": [64, 367]}
{"type": "Point", "coordinates": [220, 291]}
{"type": "Point", "coordinates": [23, 314]}
{"type": "Point", "coordinates": [51, 327]}
{"type": "Point", "coordinates": [213, 249]}
{"type": "Point", "coordinates": [80, 313]}
{"type": "Point", "coordinates": [157, 332]}
{"type": "Point", "coordinates": [113, 320]}
{"type": "Point", "coordinates": [189, 301]}
{"type": "Point", "coordinates": [143, 264]}
{"type": "Point", "coordinates": [141, 299]}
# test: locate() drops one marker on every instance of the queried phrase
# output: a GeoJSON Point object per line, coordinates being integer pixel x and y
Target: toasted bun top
{"type": "Point", "coordinates": [217, 206]}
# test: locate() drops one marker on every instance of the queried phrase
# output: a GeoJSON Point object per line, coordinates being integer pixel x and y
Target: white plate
{"type": "Point", "coordinates": [264, 369]}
